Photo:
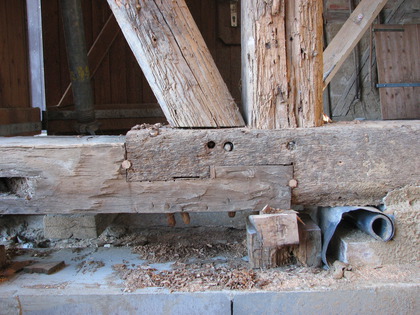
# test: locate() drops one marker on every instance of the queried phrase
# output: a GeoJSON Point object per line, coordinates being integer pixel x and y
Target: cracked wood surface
{"type": "Point", "coordinates": [84, 175]}
{"type": "Point", "coordinates": [338, 164]}
{"type": "Point", "coordinates": [282, 63]}
{"type": "Point", "coordinates": [177, 63]}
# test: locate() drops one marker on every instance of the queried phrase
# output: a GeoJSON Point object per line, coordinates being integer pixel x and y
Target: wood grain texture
{"type": "Point", "coordinates": [14, 68]}
{"type": "Point", "coordinates": [398, 62]}
{"type": "Point", "coordinates": [338, 164]}
{"type": "Point", "coordinates": [282, 63]}
{"type": "Point", "coordinates": [269, 238]}
{"type": "Point", "coordinates": [58, 169]}
{"type": "Point", "coordinates": [177, 63]}
{"type": "Point", "coordinates": [341, 164]}
{"type": "Point", "coordinates": [349, 35]}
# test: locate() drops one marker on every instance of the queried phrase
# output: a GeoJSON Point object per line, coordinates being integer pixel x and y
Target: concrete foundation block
{"type": "Point", "coordinates": [76, 226]}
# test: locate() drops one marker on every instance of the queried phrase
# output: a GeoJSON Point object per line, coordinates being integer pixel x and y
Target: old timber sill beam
{"type": "Point", "coordinates": [177, 63]}
{"type": "Point", "coordinates": [282, 47]}
{"type": "Point", "coordinates": [349, 35]}
{"type": "Point", "coordinates": [208, 170]}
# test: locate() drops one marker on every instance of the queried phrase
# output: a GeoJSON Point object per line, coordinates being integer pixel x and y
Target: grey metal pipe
{"type": "Point", "coordinates": [71, 12]}
{"type": "Point", "coordinates": [369, 219]}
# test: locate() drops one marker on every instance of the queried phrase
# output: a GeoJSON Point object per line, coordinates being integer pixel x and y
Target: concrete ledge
{"type": "Point", "coordinates": [382, 299]}
{"type": "Point", "coordinates": [85, 287]}
{"type": "Point", "coordinates": [108, 303]}
{"type": "Point", "coordinates": [388, 299]}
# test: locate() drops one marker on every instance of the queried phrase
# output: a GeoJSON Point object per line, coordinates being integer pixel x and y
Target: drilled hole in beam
{"type": "Point", "coordinates": [211, 144]}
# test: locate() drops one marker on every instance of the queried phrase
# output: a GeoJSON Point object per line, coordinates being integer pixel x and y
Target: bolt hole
{"type": "Point", "coordinates": [291, 145]}
{"type": "Point", "coordinates": [211, 144]}
{"type": "Point", "coordinates": [228, 146]}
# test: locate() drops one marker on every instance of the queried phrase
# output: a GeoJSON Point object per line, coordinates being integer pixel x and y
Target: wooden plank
{"type": "Point", "coordinates": [117, 67]}
{"type": "Point", "coordinates": [5, 91]}
{"type": "Point", "coordinates": [18, 46]}
{"type": "Point", "coordinates": [349, 35]}
{"type": "Point", "coordinates": [282, 63]}
{"type": "Point", "coordinates": [48, 267]}
{"type": "Point", "coordinates": [347, 96]}
{"type": "Point", "coordinates": [397, 59]}
{"type": "Point", "coordinates": [14, 82]}
{"type": "Point", "coordinates": [3, 258]}
{"type": "Point", "coordinates": [98, 51]}
{"type": "Point", "coordinates": [50, 30]}
{"type": "Point", "coordinates": [177, 63]}
{"type": "Point", "coordinates": [101, 80]}
{"type": "Point", "coordinates": [19, 121]}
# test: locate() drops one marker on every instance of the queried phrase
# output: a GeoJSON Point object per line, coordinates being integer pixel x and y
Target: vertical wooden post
{"type": "Point", "coordinates": [282, 63]}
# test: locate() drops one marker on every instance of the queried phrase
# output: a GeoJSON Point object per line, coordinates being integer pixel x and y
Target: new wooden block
{"type": "Point", "coordinates": [269, 237]}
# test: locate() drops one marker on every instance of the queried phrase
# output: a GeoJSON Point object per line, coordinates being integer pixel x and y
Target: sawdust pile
{"type": "Point", "coordinates": [195, 277]}
{"type": "Point", "coordinates": [202, 260]}
{"type": "Point", "coordinates": [211, 276]}
{"type": "Point", "coordinates": [159, 253]}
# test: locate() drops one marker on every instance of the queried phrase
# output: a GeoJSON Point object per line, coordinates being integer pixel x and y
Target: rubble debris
{"type": "Point", "coordinates": [339, 269]}
{"type": "Point", "coordinates": [91, 266]}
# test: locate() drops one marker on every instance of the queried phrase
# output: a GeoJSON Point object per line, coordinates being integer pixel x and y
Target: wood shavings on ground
{"type": "Point", "coordinates": [89, 266]}
{"type": "Point", "coordinates": [215, 259]}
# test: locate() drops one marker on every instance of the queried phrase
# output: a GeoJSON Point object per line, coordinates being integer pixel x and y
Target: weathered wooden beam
{"type": "Point", "coordinates": [349, 35]}
{"type": "Point", "coordinates": [338, 164]}
{"type": "Point", "coordinates": [282, 48]}
{"type": "Point", "coordinates": [87, 175]}
{"type": "Point", "coordinates": [208, 170]}
{"type": "Point", "coordinates": [177, 63]}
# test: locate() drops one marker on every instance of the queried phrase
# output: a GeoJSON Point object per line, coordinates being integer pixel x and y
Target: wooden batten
{"type": "Point", "coordinates": [349, 35]}
{"type": "Point", "coordinates": [176, 63]}
{"type": "Point", "coordinates": [282, 63]}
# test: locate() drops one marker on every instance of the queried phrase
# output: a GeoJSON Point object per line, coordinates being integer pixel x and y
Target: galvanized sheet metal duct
{"type": "Point", "coordinates": [368, 219]}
